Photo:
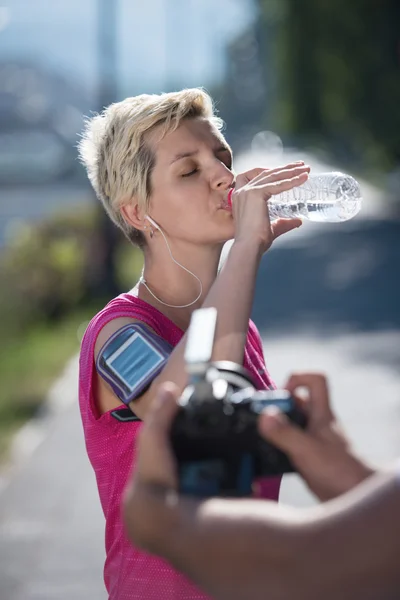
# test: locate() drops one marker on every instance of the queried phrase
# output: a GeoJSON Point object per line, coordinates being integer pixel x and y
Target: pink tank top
{"type": "Point", "coordinates": [132, 574]}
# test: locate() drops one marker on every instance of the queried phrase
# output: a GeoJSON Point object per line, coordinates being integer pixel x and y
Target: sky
{"type": "Point", "coordinates": [159, 41]}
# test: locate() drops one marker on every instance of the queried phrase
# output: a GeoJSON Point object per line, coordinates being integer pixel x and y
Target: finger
{"type": "Point", "coordinates": [291, 165]}
{"type": "Point", "coordinates": [303, 404]}
{"type": "Point", "coordinates": [156, 462]}
{"type": "Point", "coordinates": [276, 187]}
{"type": "Point", "coordinates": [265, 172]}
{"type": "Point", "coordinates": [280, 174]}
{"type": "Point", "coordinates": [281, 226]}
{"type": "Point", "coordinates": [277, 429]}
{"type": "Point", "coordinates": [320, 411]}
{"type": "Point", "coordinates": [244, 178]}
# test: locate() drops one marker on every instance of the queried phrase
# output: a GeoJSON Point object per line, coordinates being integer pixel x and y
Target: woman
{"type": "Point", "coordinates": [163, 170]}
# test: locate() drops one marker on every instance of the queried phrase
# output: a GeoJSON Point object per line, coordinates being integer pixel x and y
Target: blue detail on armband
{"type": "Point", "coordinates": [130, 359]}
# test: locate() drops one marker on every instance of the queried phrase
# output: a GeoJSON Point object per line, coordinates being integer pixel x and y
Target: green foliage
{"type": "Point", "coordinates": [47, 269]}
{"type": "Point", "coordinates": [43, 270]}
{"type": "Point", "coordinates": [46, 301]}
{"type": "Point", "coordinates": [338, 65]}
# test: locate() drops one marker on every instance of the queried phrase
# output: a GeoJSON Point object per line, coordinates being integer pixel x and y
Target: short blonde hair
{"type": "Point", "coordinates": [112, 148]}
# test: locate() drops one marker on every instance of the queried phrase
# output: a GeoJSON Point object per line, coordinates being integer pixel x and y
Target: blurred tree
{"type": "Point", "coordinates": [338, 65]}
{"type": "Point", "coordinates": [241, 97]}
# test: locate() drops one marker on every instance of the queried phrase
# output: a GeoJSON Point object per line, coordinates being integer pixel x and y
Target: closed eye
{"type": "Point", "coordinates": [189, 174]}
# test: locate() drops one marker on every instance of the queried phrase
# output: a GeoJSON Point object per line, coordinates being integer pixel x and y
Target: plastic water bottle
{"type": "Point", "coordinates": [325, 197]}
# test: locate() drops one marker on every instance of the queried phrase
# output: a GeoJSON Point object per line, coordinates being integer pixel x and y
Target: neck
{"type": "Point", "coordinates": [175, 286]}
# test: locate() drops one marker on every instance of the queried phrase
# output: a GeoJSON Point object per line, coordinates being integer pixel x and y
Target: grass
{"type": "Point", "coordinates": [29, 365]}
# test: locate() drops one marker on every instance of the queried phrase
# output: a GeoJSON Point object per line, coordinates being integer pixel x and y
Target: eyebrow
{"type": "Point", "coordinates": [190, 154]}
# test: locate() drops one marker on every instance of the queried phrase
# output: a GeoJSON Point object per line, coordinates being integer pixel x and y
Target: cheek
{"type": "Point", "coordinates": [187, 204]}
{"type": "Point", "coordinates": [182, 209]}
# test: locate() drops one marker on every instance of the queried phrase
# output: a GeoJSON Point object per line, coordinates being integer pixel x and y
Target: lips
{"type": "Point", "coordinates": [226, 204]}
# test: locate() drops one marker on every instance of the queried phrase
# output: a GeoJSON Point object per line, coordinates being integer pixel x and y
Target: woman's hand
{"type": "Point", "coordinates": [250, 202]}
{"type": "Point", "coordinates": [321, 453]}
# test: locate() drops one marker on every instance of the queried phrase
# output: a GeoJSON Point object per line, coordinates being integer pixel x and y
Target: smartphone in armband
{"type": "Point", "coordinates": [130, 359]}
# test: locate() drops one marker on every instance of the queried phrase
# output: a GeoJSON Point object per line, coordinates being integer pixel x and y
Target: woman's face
{"type": "Point", "coordinates": [190, 178]}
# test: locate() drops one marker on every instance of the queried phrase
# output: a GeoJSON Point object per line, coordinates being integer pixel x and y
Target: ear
{"type": "Point", "coordinates": [133, 214]}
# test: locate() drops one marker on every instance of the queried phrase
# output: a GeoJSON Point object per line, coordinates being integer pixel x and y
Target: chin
{"type": "Point", "coordinates": [222, 229]}
{"type": "Point", "coordinates": [226, 236]}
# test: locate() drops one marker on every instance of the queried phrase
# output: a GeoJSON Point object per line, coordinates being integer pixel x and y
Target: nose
{"type": "Point", "coordinates": [222, 177]}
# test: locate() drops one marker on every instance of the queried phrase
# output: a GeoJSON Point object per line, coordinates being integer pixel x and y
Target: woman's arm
{"type": "Point", "coordinates": [232, 295]}
{"type": "Point", "coordinates": [233, 290]}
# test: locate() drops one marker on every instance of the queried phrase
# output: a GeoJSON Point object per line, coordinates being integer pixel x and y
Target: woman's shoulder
{"type": "Point", "coordinates": [116, 315]}
{"type": "Point", "coordinates": [115, 309]}
{"type": "Point", "coordinates": [121, 311]}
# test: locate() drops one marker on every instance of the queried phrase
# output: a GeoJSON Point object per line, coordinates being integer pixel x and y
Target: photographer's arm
{"type": "Point", "coordinates": [347, 548]}
{"type": "Point", "coordinates": [248, 550]}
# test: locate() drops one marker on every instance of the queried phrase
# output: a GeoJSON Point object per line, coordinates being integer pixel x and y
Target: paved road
{"type": "Point", "coordinates": [51, 525]}
{"type": "Point", "coordinates": [327, 298]}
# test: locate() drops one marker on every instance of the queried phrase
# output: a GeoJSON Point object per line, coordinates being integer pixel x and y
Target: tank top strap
{"type": "Point", "coordinates": [130, 306]}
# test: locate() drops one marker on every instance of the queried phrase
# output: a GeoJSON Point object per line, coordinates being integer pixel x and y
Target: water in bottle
{"type": "Point", "coordinates": [324, 197]}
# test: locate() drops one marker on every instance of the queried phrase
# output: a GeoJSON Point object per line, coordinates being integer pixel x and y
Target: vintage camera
{"type": "Point", "coordinates": [214, 436]}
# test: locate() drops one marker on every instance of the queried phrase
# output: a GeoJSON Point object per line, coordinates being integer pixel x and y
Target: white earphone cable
{"type": "Point", "coordinates": [143, 281]}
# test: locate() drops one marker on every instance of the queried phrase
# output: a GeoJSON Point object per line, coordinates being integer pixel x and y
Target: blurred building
{"type": "Point", "coordinates": [40, 113]}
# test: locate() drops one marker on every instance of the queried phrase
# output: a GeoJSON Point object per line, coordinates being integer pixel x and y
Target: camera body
{"type": "Point", "coordinates": [215, 435]}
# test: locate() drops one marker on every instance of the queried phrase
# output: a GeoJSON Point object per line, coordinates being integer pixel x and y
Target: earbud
{"type": "Point", "coordinates": [150, 220]}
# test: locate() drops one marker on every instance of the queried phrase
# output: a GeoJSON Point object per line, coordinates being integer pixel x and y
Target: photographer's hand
{"type": "Point", "coordinates": [321, 453]}
{"type": "Point", "coordinates": [241, 549]}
